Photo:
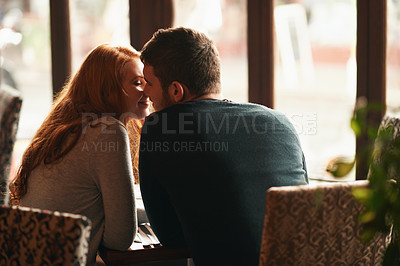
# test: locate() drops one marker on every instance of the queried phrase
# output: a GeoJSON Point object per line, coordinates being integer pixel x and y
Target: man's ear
{"type": "Point", "coordinates": [176, 91]}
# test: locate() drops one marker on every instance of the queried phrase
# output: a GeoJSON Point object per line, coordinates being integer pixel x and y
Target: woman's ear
{"type": "Point", "coordinates": [176, 91]}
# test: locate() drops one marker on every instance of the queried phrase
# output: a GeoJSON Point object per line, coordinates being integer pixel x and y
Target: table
{"type": "Point", "coordinates": [145, 248]}
{"type": "Point", "coordinates": [144, 255]}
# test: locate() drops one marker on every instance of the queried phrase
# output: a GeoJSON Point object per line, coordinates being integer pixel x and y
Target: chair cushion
{"type": "Point", "coordinates": [35, 237]}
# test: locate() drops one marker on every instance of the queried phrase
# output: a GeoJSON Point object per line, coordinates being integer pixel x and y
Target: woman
{"type": "Point", "coordinates": [79, 160]}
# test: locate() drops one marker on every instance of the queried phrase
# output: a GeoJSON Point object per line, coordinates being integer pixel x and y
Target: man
{"type": "Point", "coordinates": [205, 163]}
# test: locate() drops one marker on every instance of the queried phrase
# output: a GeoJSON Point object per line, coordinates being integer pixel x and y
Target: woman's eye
{"type": "Point", "coordinates": [139, 82]}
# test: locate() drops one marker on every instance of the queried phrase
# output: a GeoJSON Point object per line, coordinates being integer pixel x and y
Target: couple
{"type": "Point", "coordinates": [196, 194]}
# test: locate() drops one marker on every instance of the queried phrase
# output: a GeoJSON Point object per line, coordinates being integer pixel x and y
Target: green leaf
{"type": "Point", "coordinates": [340, 166]}
{"type": "Point", "coordinates": [362, 194]}
{"type": "Point", "coordinates": [355, 125]}
{"type": "Point", "coordinates": [367, 235]}
{"type": "Point", "coordinates": [367, 217]}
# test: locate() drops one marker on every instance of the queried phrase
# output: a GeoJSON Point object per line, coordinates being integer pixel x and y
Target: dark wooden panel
{"type": "Point", "coordinates": [60, 43]}
{"type": "Point", "coordinates": [260, 52]}
{"type": "Point", "coordinates": [146, 17]}
{"type": "Point", "coordinates": [371, 71]}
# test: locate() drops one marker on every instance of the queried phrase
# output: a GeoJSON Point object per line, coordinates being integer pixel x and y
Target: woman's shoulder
{"type": "Point", "coordinates": [107, 121]}
{"type": "Point", "coordinates": [105, 125]}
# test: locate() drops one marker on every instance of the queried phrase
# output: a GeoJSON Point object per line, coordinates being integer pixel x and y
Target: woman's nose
{"type": "Point", "coordinates": [141, 87]}
{"type": "Point", "coordinates": [145, 89]}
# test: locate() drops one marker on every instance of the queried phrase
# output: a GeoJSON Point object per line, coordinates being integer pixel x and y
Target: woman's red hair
{"type": "Point", "coordinates": [96, 89]}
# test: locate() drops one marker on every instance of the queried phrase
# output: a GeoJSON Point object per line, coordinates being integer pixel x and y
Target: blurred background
{"type": "Point", "coordinates": [315, 65]}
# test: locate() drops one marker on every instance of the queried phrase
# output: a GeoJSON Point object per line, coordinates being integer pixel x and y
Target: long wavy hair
{"type": "Point", "coordinates": [134, 128]}
{"type": "Point", "coordinates": [95, 89]}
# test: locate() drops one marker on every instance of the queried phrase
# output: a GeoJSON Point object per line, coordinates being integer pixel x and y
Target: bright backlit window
{"type": "Point", "coordinates": [225, 22]}
{"type": "Point", "coordinates": [315, 76]}
{"type": "Point", "coordinates": [393, 58]}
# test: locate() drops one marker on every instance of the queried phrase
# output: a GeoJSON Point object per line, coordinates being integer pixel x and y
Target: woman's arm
{"type": "Point", "coordinates": [112, 163]}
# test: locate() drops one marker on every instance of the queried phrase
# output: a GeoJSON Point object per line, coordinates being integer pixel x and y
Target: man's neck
{"type": "Point", "coordinates": [213, 96]}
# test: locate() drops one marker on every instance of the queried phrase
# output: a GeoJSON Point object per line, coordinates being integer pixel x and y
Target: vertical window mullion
{"type": "Point", "coordinates": [260, 52]}
{"type": "Point", "coordinates": [371, 71]}
{"type": "Point", "coordinates": [60, 43]}
{"type": "Point", "coordinates": [146, 17]}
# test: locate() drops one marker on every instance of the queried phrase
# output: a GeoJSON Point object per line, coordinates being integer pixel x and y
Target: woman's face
{"type": "Point", "coordinates": [133, 83]}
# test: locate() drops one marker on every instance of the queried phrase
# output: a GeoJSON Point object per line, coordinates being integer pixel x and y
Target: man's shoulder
{"type": "Point", "coordinates": [214, 109]}
{"type": "Point", "coordinates": [249, 110]}
{"type": "Point", "coordinates": [218, 106]}
{"type": "Point", "coordinates": [253, 107]}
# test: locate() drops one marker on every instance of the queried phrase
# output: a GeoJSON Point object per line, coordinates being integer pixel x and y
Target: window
{"type": "Point", "coordinates": [315, 76]}
{"type": "Point", "coordinates": [97, 22]}
{"type": "Point", "coordinates": [26, 65]}
{"type": "Point", "coordinates": [225, 22]}
{"type": "Point", "coordinates": [393, 57]}
{"type": "Point", "coordinates": [315, 70]}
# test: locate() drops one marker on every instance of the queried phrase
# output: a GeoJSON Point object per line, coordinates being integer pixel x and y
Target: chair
{"type": "Point", "coordinates": [386, 143]}
{"type": "Point", "coordinates": [392, 122]}
{"type": "Point", "coordinates": [10, 107]}
{"type": "Point", "coordinates": [316, 225]}
{"type": "Point", "coordinates": [35, 237]}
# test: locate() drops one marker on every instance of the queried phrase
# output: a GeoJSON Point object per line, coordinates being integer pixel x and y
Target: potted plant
{"type": "Point", "coordinates": [382, 197]}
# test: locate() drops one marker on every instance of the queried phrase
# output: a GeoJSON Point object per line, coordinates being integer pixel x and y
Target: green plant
{"type": "Point", "coordinates": [382, 197]}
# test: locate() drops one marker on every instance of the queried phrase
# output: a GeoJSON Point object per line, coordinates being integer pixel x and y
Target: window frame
{"type": "Point", "coordinates": [370, 54]}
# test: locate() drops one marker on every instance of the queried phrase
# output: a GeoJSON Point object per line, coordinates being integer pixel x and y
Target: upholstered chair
{"type": "Point", "coordinates": [392, 122]}
{"type": "Point", "coordinates": [36, 237]}
{"type": "Point", "coordinates": [316, 225]}
{"type": "Point", "coordinates": [392, 125]}
{"type": "Point", "coordinates": [10, 107]}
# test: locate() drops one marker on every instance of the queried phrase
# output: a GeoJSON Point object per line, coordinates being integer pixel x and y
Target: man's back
{"type": "Point", "coordinates": [205, 166]}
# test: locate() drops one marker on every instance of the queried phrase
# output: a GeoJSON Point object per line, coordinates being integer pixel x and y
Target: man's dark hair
{"type": "Point", "coordinates": [184, 55]}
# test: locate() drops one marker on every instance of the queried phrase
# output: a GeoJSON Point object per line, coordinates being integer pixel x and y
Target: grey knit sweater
{"type": "Point", "coordinates": [94, 179]}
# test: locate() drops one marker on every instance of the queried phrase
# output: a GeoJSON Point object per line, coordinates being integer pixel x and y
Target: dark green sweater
{"type": "Point", "coordinates": [205, 167]}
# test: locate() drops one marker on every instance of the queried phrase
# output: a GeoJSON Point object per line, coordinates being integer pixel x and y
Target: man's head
{"type": "Point", "coordinates": [180, 64]}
